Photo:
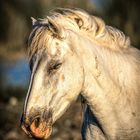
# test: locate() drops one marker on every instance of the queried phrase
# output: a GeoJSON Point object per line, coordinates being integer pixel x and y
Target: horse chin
{"type": "Point", "coordinates": [41, 132]}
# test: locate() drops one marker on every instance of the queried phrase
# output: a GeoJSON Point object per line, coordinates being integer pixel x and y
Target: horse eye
{"type": "Point", "coordinates": [57, 66]}
{"type": "Point", "coordinates": [54, 66]}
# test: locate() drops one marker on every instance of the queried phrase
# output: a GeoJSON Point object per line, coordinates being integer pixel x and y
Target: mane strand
{"type": "Point", "coordinates": [79, 21]}
{"type": "Point", "coordinates": [104, 34]}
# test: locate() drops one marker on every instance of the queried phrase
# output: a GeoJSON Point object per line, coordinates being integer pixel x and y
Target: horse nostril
{"type": "Point", "coordinates": [37, 121]}
{"type": "Point", "coordinates": [37, 124]}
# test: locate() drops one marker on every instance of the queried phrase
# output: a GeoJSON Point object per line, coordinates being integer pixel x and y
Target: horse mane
{"type": "Point", "coordinates": [80, 21]}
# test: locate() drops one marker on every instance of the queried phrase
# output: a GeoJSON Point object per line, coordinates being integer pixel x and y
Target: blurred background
{"type": "Point", "coordinates": [15, 26]}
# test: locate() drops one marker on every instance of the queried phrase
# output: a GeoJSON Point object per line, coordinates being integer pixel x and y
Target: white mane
{"type": "Point", "coordinates": [80, 21]}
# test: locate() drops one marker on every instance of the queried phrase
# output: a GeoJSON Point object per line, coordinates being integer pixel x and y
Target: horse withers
{"type": "Point", "coordinates": [73, 53]}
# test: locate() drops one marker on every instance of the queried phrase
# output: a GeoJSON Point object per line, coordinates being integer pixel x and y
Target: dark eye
{"type": "Point", "coordinates": [54, 66]}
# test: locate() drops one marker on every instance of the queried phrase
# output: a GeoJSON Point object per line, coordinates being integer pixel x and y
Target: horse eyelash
{"type": "Point", "coordinates": [54, 66]}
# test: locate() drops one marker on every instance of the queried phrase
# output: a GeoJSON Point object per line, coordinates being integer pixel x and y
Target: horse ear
{"type": "Point", "coordinates": [34, 21]}
{"type": "Point", "coordinates": [55, 28]}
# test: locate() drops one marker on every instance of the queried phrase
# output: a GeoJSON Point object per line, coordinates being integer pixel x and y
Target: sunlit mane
{"type": "Point", "coordinates": [81, 22]}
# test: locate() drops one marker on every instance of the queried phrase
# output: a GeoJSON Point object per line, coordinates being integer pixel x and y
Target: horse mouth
{"type": "Point", "coordinates": [37, 129]}
{"type": "Point", "coordinates": [42, 131]}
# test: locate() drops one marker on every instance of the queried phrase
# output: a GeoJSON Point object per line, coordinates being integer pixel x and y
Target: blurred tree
{"type": "Point", "coordinates": [3, 22]}
{"type": "Point", "coordinates": [14, 25]}
{"type": "Point", "coordinates": [125, 16]}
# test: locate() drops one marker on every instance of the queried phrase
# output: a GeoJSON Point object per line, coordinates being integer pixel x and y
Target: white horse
{"type": "Point", "coordinates": [73, 53]}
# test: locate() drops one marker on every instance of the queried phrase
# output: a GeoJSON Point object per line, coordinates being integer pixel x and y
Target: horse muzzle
{"type": "Point", "coordinates": [37, 126]}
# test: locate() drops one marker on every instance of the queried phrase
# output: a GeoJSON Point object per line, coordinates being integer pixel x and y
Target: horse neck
{"type": "Point", "coordinates": [100, 90]}
{"type": "Point", "coordinates": [96, 88]}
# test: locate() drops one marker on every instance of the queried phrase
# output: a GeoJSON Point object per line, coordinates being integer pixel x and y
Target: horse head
{"type": "Point", "coordinates": [56, 78]}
